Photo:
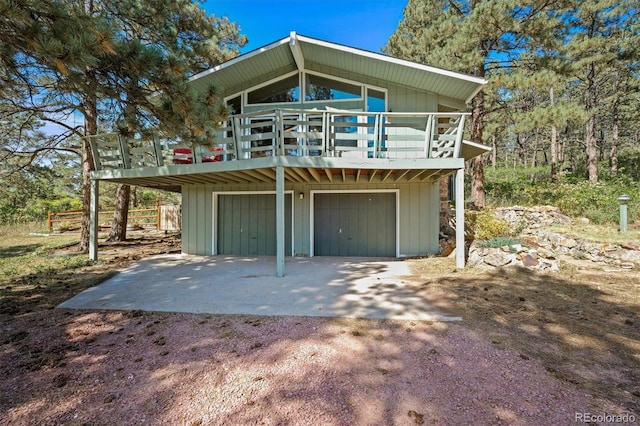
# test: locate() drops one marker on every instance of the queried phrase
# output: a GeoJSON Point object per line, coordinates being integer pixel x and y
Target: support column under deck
{"type": "Point", "coordinates": [93, 220]}
{"type": "Point", "coordinates": [460, 245]}
{"type": "Point", "coordinates": [280, 221]}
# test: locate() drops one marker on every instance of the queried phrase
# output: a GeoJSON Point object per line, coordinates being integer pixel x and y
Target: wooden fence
{"type": "Point", "coordinates": [160, 218]}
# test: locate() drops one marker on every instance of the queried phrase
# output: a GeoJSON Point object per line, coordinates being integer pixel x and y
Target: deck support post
{"type": "Point", "coordinates": [93, 220]}
{"type": "Point", "coordinates": [460, 245]}
{"type": "Point", "coordinates": [280, 221]}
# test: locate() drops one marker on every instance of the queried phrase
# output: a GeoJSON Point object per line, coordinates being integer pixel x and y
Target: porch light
{"type": "Point", "coordinates": [623, 200]}
{"type": "Point", "coordinates": [301, 195]}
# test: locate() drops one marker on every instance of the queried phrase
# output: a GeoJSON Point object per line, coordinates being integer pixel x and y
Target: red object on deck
{"type": "Point", "coordinates": [183, 156]}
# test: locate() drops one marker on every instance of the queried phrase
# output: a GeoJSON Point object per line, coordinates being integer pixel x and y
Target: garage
{"type": "Point", "coordinates": [247, 224]}
{"type": "Point", "coordinates": [354, 224]}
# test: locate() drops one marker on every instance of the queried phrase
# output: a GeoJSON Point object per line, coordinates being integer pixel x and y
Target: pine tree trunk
{"type": "Point", "coordinates": [590, 143]}
{"type": "Point", "coordinates": [90, 128]}
{"type": "Point", "coordinates": [494, 152]}
{"type": "Point", "coordinates": [476, 164]}
{"type": "Point", "coordinates": [591, 150]}
{"type": "Point", "coordinates": [615, 132]}
{"type": "Point", "coordinates": [614, 145]}
{"type": "Point", "coordinates": [121, 215]}
{"type": "Point", "coordinates": [554, 143]}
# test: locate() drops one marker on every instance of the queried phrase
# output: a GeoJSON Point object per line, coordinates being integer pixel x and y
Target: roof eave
{"type": "Point", "coordinates": [472, 150]}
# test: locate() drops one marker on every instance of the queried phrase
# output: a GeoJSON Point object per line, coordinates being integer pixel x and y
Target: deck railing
{"type": "Point", "coordinates": [292, 132]}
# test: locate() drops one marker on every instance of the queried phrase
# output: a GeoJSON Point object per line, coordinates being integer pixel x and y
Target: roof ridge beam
{"type": "Point", "coordinates": [296, 51]}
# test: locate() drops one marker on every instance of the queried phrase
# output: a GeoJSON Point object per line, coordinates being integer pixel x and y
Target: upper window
{"type": "Point", "coordinates": [285, 90]}
{"type": "Point", "coordinates": [235, 105]}
{"type": "Point", "coordinates": [375, 100]}
{"type": "Point", "coordinates": [325, 89]}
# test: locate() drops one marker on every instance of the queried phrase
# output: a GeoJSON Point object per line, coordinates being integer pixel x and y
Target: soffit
{"type": "Point", "coordinates": [276, 59]}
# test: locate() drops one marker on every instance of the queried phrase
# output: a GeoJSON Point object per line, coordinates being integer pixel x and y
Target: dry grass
{"type": "Point", "coordinates": [600, 233]}
{"type": "Point", "coordinates": [583, 324]}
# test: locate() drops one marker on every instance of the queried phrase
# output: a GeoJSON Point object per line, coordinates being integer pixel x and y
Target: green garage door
{"type": "Point", "coordinates": [355, 224]}
{"type": "Point", "coordinates": [247, 224]}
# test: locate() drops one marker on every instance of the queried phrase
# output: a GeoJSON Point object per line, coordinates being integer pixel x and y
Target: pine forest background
{"type": "Point", "coordinates": [561, 109]}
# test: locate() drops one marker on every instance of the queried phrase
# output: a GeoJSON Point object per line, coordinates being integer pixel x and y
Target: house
{"type": "Point", "coordinates": [330, 151]}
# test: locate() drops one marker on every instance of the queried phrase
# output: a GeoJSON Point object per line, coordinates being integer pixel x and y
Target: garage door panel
{"type": "Point", "coordinates": [355, 224]}
{"type": "Point", "coordinates": [247, 224]}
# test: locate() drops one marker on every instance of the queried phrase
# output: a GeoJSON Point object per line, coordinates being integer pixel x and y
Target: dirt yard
{"type": "Point", "coordinates": [532, 349]}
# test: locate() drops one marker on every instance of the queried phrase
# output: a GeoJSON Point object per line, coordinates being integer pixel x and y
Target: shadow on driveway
{"type": "Point", "coordinates": [319, 286]}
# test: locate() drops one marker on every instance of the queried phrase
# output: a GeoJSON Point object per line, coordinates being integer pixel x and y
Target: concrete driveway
{"type": "Point", "coordinates": [319, 286]}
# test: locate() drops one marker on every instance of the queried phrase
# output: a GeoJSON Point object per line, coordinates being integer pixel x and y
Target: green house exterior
{"type": "Point", "coordinates": [330, 151]}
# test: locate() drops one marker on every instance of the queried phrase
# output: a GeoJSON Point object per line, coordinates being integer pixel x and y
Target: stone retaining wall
{"type": "Point", "coordinates": [540, 249]}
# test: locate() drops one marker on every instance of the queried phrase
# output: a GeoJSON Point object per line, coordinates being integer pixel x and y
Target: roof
{"type": "Point", "coordinates": [298, 52]}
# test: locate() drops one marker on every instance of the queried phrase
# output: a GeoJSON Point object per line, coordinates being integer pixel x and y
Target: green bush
{"type": "Point", "coordinates": [498, 242]}
{"type": "Point", "coordinates": [485, 225]}
{"type": "Point", "coordinates": [576, 198]}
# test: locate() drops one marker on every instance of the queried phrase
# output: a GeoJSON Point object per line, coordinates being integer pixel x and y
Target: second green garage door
{"type": "Point", "coordinates": [355, 224]}
{"type": "Point", "coordinates": [247, 224]}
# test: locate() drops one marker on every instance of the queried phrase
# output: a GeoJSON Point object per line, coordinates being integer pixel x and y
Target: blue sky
{"type": "Point", "coordinates": [365, 24]}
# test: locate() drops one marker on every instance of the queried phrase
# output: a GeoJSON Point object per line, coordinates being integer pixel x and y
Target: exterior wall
{"type": "Point", "coordinates": [418, 215]}
{"type": "Point", "coordinates": [197, 223]}
{"type": "Point", "coordinates": [402, 99]}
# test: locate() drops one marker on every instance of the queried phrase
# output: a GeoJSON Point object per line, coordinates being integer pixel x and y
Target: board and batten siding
{"type": "Point", "coordinates": [418, 215]}
{"type": "Point", "coordinates": [197, 219]}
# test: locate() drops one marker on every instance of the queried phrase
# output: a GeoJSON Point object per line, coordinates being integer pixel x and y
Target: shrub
{"type": "Point", "coordinates": [498, 242]}
{"type": "Point", "coordinates": [486, 226]}
{"type": "Point", "coordinates": [575, 197]}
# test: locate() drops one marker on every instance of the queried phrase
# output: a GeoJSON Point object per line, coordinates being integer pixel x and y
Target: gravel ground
{"type": "Point", "coordinates": [186, 369]}
{"type": "Point", "coordinates": [532, 350]}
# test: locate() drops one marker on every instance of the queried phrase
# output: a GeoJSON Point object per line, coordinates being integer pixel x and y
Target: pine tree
{"type": "Point", "coordinates": [126, 56]}
{"type": "Point", "coordinates": [472, 36]}
{"type": "Point", "coordinates": [600, 35]}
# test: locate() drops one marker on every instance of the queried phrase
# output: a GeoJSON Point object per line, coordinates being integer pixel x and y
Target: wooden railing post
{"type": "Point", "coordinates": [124, 152]}
{"type": "Point", "coordinates": [428, 136]}
{"type": "Point", "coordinates": [158, 214]}
{"type": "Point", "coordinates": [377, 146]}
{"type": "Point", "coordinates": [157, 148]}
{"type": "Point", "coordinates": [49, 222]}
{"type": "Point", "coordinates": [457, 149]}
{"type": "Point", "coordinates": [93, 144]}
{"type": "Point", "coordinates": [279, 142]}
{"type": "Point", "coordinates": [237, 138]}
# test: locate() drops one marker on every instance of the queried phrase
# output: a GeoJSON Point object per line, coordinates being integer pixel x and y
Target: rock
{"type": "Point", "coordinates": [446, 247]}
{"type": "Point", "coordinates": [624, 255]}
{"type": "Point", "coordinates": [530, 241]}
{"type": "Point", "coordinates": [475, 259]}
{"type": "Point", "coordinates": [584, 220]}
{"type": "Point", "coordinates": [498, 259]}
{"type": "Point", "coordinates": [607, 247]}
{"type": "Point", "coordinates": [630, 246]}
{"type": "Point", "coordinates": [550, 265]}
{"type": "Point", "coordinates": [545, 253]}
{"type": "Point", "coordinates": [529, 260]}
{"type": "Point", "coordinates": [568, 243]}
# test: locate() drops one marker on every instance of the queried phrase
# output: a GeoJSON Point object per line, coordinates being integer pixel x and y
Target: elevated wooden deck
{"type": "Point", "coordinates": [314, 146]}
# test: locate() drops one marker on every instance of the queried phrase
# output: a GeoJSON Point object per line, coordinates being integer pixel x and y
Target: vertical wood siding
{"type": "Point", "coordinates": [418, 214]}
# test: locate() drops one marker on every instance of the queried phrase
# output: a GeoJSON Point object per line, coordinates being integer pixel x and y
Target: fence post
{"type": "Point", "coordinates": [158, 214]}
{"type": "Point", "coordinates": [49, 222]}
